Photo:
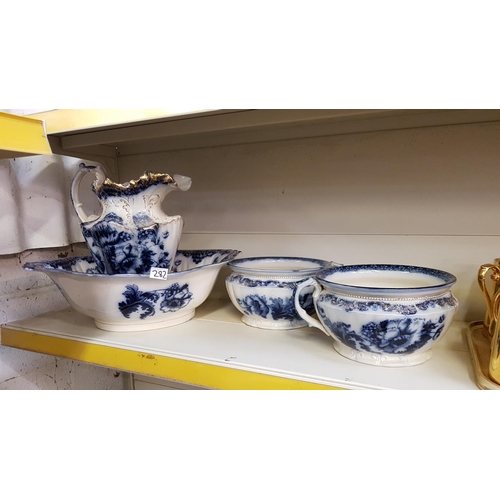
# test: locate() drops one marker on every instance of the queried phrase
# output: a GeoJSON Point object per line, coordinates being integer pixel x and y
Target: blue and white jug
{"type": "Point", "coordinates": [132, 234]}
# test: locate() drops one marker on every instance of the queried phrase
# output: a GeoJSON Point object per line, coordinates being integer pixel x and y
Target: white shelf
{"type": "Point", "coordinates": [217, 350]}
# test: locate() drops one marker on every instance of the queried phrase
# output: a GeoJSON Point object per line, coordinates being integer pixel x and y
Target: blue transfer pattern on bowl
{"type": "Point", "coordinates": [264, 289]}
{"type": "Point", "coordinates": [186, 259]}
{"type": "Point", "coordinates": [87, 264]}
{"type": "Point", "coordinates": [374, 305]}
{"type": "Point", "coordinates": [242, 280]}
{"type": "Point", "coordinates": [146, 304]}
{"type": "Point", "coordinates": [389, 336]}
{"type": "Point", "coordinates": [277, 308]}
{"type": "Point", "coordinates": [384, 315]}
{"type": "Point", "coordinates": [126, 302]}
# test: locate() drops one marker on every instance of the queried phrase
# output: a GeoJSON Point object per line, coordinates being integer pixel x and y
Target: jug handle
{"type": "Point", "coordinates": [75, 184]}
{"type": "Point", "coordinates": [489, 319]}
{"type": "Point", "coordinates": [302, 313]}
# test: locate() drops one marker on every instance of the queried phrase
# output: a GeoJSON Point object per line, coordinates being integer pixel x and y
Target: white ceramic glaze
{"type": "Point", "coordinates": [137, 302]}
{"type": "Point", "coordinates": [263, 289]}
{"type": "Point", "coordinates": [386, 315]}
{"type": "Point", "coordinates": [132, 234]}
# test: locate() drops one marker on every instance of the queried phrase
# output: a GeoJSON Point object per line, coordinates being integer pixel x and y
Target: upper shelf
{"type": "Point", "coordinates": [141, 131]}
{"type": "Point", "coordinates": [22, 136]}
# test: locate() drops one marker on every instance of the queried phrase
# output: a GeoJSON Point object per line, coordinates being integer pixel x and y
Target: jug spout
{"type": "Point", "coordinates": [182, 181]}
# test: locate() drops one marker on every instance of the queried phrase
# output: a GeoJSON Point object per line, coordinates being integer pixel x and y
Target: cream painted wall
{"type": "Point", "coordinates": [428, 181]}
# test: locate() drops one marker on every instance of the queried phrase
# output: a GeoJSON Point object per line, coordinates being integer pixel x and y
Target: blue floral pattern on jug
{"type": "Point", "coordinates": [144, 304]}
{"type": "Point", "coordinates": [132, 234]}
{"type": "Point", "coordinates": [277, 307]}
{"type": "Point", "coordinates": [394, 336]}
{"type": "Point", "coordinates": [117, 251]}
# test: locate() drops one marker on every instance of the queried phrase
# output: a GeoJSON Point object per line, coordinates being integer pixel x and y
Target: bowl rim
{"type": "Point", "coordinates": [447, 278]}
{"type": "Point", "coordinates": [41, 266]}
{"type": "Point", "coordinates": [237, 265]}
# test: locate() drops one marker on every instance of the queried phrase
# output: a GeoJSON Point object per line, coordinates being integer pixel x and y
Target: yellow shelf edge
{"type": "Point", "coordinates": [22, 136]}
{"type": "Point", "coordinates": [190, 372]}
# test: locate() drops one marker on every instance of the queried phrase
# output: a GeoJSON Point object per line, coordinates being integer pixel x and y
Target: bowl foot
{"type": "Point", "coordinates": [267, 324]}
{"type": "Point", "coordinates": [138, 326]}
{"type": "Point", "coordinates": [389, 360]}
